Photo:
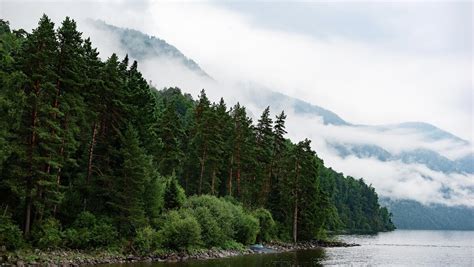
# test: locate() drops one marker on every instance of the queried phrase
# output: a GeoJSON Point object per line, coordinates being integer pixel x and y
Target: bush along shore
{"type": "Point", "coordinates": [77, 257]}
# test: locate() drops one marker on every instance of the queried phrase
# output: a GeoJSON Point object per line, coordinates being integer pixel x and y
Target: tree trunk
{"type": "Point", "coordinates": [186, 179]}
{"type": "Point", "coordinates": [266, 186]}
{"type": "Point", "coordinates": [201, 175]}
{"type": "Point", "coordinates": [58, 176]}
{"type": "Point", "coordinates": [91, 153]}
{"type": "Point", "coordinates": [238, 173]}
{"type": "Point", "coordinates": [28, 213]}
{"type": "Point", "coordinates": [295, 219]}
{"type": "Point", "coordinates": [90, 158]}
{"type": "Point", "coordinates": [29, 182]}
{"type": "Point", "coordinates": [229, 182]}
{"type": "Point", "coordinates": [54, 115]}
{"type": "Point", "coordinates": [295, 210]}
{"type": "Point", "coordinates": [213, 181]}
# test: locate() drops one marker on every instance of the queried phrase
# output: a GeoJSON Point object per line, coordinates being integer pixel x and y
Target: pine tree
{"type": "Point", "coordinates": [12, 105]}
{"type": "Point", "coordinates": [174, 194]}
{"type": "Point", "coordinates": [37, 61]}
{"type": "Point", "coordinates": [264, 139]}
{"type": "Point", "coordinates": [92, 97]}
{"type": "Point", "coordinates": [68, 104]}
{"type": "Point", "coordinates": [171, 133]}
{"type": "Point", "coordinates": [129, 186]}
{"type": "Point", "coordinates": [201, 132]}
{"type": "Point", "coordinates": [223, 160]}
{"type": "Point", "coordinates": [243, 152]}
{"type": "Point", "coordinates": [278, 165]}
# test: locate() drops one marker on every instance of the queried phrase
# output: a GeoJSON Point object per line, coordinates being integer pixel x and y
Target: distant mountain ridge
{"type": "Point", "coordinates": [141, 46]}
{"type": "Point", "coordinates": [430, 158]}
{"type": "Point", "coordinates": [410, 214]}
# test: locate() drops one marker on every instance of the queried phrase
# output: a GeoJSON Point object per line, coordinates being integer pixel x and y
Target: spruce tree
{"type": "Point", "coordinates": [264, 142]}
{"type": "Point", "coordinates": [129, 184]}
{"type": "Point", "coordinates": [37, 61]}
{"type": "Point", "coordinates": [174, 195]}
{"type": "Point", "coordinates": [171, 133]}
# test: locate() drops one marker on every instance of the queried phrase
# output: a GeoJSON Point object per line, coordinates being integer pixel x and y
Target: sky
{"type": "Point", "coordinates": [372, 63]}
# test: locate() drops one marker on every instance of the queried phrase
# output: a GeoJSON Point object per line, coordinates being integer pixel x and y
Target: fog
{"type": "Point", "coordinates": [363, 82]}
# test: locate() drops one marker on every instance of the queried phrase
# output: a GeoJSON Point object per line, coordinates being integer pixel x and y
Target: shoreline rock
{"type": "Point", "coordinates": [61, 258]}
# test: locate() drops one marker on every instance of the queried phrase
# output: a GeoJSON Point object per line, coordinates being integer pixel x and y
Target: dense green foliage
{"type": "Point", "coordinates": [10, 233]}
{"type": "Point", "coordinates": [92, 156]}
{"type": "Point", "coordinates": [87, 231]}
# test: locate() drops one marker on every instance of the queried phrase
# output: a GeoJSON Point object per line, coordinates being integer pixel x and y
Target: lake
{"type": "Point", "coordinates": [397, 248]}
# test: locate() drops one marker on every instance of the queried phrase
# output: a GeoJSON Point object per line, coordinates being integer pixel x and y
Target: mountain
{"type": "Point", "coordinates": [279, 101]}
{"type": "Point", "coordinates": [430, 131]}
{"type": "Point", "coordinates": [430, 158]}
{"type": "Point", "coordinates": [410, 214]}
{"type": "Point", "coordinates": [141, 46]}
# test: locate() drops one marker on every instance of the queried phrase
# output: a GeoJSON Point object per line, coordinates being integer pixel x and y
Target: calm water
{"type": "Point", "coordinates": [406, 248]}
{"type": "Point", "coordinates": [398, 248]}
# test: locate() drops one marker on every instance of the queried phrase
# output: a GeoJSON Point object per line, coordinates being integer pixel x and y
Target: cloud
{"type": "Point", "coordinates": [393, 178]}
{"type": "Point", "coordinates": [364, 82]}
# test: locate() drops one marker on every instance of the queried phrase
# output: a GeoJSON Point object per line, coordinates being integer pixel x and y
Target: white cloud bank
{"type": "Point", "coordinates": [362, 82]}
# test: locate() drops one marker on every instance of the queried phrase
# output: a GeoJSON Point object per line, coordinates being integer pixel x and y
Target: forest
{"type": "Point", "coordinates": [93, 156]}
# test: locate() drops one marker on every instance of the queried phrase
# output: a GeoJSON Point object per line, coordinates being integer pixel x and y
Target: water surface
{"type": "Point", "coordinates": [406, 248]}
{"type": "Point", "coordinates": [397, 248]}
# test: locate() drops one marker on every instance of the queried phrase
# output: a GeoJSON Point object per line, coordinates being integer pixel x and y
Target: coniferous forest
{"type": "Point", "coordinates": [92, 156]}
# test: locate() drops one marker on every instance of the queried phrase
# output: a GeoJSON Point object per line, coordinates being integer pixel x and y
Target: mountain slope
{"type": "Point", "coordinates": [409, 214]}
{"type": "Point", "coordinates": [141, 46]}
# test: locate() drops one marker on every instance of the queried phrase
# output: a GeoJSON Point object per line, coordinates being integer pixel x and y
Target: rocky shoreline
{"type": "Point", "coordinates": [77, 258]}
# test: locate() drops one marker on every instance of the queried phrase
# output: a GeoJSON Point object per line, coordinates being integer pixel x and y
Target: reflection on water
{"type": "Point", "coordinates": [406, 248]}
{"type": "Point", "coordinates": [294, 258]}
{"type": "Point", "coordinates": [398, 248]}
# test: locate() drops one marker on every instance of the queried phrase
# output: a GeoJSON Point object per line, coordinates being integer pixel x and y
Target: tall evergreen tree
{"type": "Point", "coordinates": [37, 61]}
{"type": "Point", "coordinates": [243, 152]}
{"type": "Point", "coordinates": [129, 186]}
{"type": "Point", "coordinates": [174, 195]}
{"type": "Point", "coordinates": [264, 142]}
{"type": "Point", "coordinates": [171, 133]}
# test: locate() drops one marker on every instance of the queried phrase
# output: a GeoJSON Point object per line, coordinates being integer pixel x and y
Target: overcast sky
{"type": "Point", "coordinates": [370, 63]}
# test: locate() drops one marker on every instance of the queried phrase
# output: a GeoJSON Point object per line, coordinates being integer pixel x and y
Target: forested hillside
{"type": "Point", "coordinates": [413, 215]}
{"type": "Point", "coordinates": [148, 49]}
{"type": "Point", "coordinates": [92, 156]}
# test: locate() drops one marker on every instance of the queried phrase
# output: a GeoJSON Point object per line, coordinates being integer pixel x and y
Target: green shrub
{"type": "Point", "coordinates": [246, 228]}
{"type": "Point", "coordinates": [47, 233]}
{"type": "Point", "coordinates": [211, 232]}
{"type": "Point", "coordinates": [10, 234]}
{"type": "Point", "coordinates": [74, 239]}
{"type": "Point", "coordinates": [145, 240]}
{"type": "Point", "coordinates": [232, 244]}
{"type": "Point", "coordinates": [283, 232]}
{"type": "Point", "coordinates": [87, 231]}
{"type": "Point", "coordinates": [174, 195]}
{"type": "Point", "coordinates": [220, 209]}
{"type": "Point", "coordinates": [267, 225]}
{"type": "Point", "coordinates": [180, 230]}
{"type": "Point", "coordinates": [104, 233]}
{"type": "Point", "coordinates": [80, 234]}
{"type": "Point", "coordinates": [232, 220]}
